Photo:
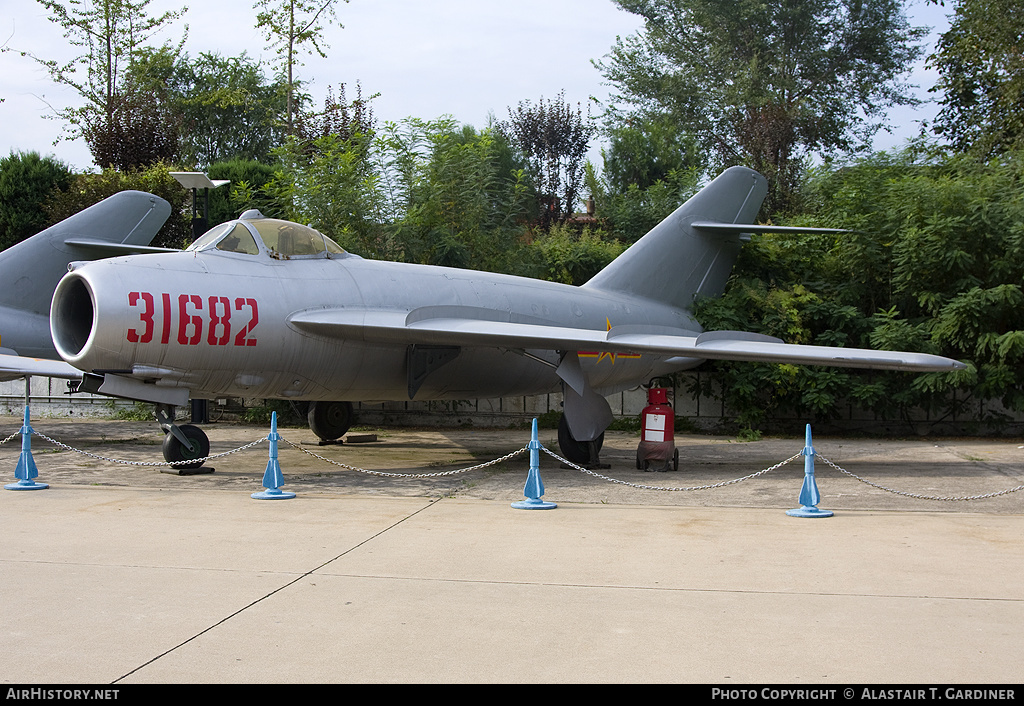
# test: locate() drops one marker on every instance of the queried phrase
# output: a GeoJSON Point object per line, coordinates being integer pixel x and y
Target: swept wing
{"type": "Point", "coordinates": [13, 367]}
{"type": "Point", "coordinates": [467, 326]}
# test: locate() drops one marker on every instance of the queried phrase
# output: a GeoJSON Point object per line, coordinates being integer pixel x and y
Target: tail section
{"type": "Point", "coordinates": [121, 224]}
{"type": "Point", "coordinates": [116, 225]}
{"type": "Point", "coordinates": [692, 252]}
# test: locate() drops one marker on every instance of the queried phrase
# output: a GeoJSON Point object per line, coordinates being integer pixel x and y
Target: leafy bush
{"type": "Point", "coordinates": [247, 177]}
{"type": "Point", "coordinates": [88, 189]}
{"type": "Point", "coordinates": [27, 181]}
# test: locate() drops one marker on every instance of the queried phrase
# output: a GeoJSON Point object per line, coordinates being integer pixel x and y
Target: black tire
{"type": "Point", "coordinates": [577, 452]}
{"type": "Point", "coordinates": [675, 460]}
{"type": "Point", "coordinates": [182, 457]}
{"type": "Point", "coordinates": [330, 420]}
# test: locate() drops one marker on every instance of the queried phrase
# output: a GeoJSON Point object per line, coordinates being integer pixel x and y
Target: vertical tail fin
{"type": "Point", "coordinates": [31, 269]}
{"type": "Point", "coordinates": [678, 260]}
{"type": "Point", "coordinates": [127, 219]}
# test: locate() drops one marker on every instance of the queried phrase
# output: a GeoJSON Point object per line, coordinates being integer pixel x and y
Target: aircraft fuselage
{"type": "Point", "coordinates": [218, 324]}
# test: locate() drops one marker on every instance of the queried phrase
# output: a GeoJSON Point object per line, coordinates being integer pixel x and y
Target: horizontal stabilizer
{"type": "Point", "coordinates": [419, 327]}
{"type": "Point", "coordinates": [715, 227]}
{"type": "Point", "coordinates": [108, 249]}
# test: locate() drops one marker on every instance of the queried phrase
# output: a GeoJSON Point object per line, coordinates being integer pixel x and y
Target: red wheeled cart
{"type": "Point", "coordinates": [657, 450]}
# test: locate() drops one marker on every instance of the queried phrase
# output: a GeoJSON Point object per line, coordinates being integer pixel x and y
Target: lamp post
{"type": "Point", "coordinates": [194, 181]}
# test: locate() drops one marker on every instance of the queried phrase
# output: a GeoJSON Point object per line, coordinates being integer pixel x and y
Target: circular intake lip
{"type": "Point", "coordinates": [72, 316]}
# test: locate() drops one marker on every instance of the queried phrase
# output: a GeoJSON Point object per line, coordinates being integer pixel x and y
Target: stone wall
{"type": "Point", "coordinates": [49, 398]}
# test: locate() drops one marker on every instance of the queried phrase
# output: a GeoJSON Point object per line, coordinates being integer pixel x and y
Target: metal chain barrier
{"type": "Point", "coordinates": [512, 455]}
{"type": "Point", "coordinates": [175, 464]}
{"type": "Point", "coordinates": [477, 467]}
{"type": "Point", "coordinates": [570, 464]}
{"type": "Point", "coordinates": [917, 495]}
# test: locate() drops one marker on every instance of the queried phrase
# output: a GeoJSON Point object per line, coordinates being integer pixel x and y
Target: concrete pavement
{"type": "Point", "coordinates": [123, 575]}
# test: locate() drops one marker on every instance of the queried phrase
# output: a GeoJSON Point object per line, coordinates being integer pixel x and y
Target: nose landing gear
{"type": "Point", "coordinates": [184, 444]}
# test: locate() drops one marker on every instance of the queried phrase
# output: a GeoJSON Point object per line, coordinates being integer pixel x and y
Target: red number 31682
{"type": "Point", "coordinates": [194, 315]}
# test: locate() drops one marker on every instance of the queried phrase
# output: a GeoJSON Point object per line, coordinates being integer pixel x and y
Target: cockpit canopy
{"type": "Point", "coordinates": [280, 239]}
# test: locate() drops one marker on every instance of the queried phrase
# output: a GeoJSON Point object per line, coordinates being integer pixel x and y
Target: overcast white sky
{"type": "Point", "coordinates": [465, 58]}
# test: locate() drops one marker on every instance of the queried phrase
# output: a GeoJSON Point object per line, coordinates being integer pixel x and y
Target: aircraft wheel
{"type": "Point", "coordinates": [184, 457]}
{"type": "Point", "coordinates": [577, 452]}
{"type": "Point", "coordinates": [330, 420]}
{"type": "Point", "coordinates": [642, 464]}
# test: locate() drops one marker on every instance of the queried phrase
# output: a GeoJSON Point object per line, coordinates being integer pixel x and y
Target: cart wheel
{"type": "Point", "coordinates": [675, 460]}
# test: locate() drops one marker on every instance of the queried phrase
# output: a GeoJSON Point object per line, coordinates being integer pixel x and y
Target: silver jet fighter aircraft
{"type": "Point", "coordinates": [30, 270]}
{"type": "Point", "coordinates": [266, 308]}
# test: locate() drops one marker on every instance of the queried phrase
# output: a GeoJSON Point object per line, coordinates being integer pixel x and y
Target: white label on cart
{"type": "Point", "coordinates": [655, 427]}
{"type": "Point", "coordinates": [656, 421]}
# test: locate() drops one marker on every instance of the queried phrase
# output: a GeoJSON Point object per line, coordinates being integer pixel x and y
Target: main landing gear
{"type": "Point", "coordinates": [184, 444]}
{"type": "Point", "coordinates": [330, 420]}
{"type": "Point", "coordinates": [582, 453]}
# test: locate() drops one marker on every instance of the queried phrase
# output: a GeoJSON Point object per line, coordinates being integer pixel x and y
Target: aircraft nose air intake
{"type": "Point", "coordinates": [71, 316]}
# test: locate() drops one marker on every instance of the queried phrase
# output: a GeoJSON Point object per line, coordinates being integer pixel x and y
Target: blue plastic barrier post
{"type": "Point", "coordinates": [534, 489]}
{"type": "Point", "coordinates": [809, 495]}
{"type": "Point", "coordinates": [26, 470]}
{"type": "Point", "coordinates": [273, 479]}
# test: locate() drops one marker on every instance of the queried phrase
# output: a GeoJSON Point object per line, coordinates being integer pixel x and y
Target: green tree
{"type": "Point", "coordinates": [352, 122]}
{"type": "Point", "coordinates": [644, 151]}
{"type": "Point", "coordinates": [27, 181]}
{"type": "Point", "coordinates": [765, 84]}
{"type": "Point", "coordinates": [629, 214]}
{"type": "Point", "coordinates": [290, 26]}
{"type": "Point", "coordinates": [331, 185]}
{"type": "Point", "coordinates": [953, 231]}
{"type": "Point", "coordinates": [327, 174]}
{"type": "Point", "coordinates": [456, 196]}
{"type": "Point", "coordinates": [981, 85]}
{"type": "Point", "coordinates": [110, 34]}
{"type": "Point", "coordinates": [224, 107]}
{"type": "Point", "coordinates": [418, 191]}
{"type": "Point", "coordinates": [472, 196]}
{"type": "Point", "coordinates": [935, 263]}
{"type": "Point", "coordinates": [338, 117]}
